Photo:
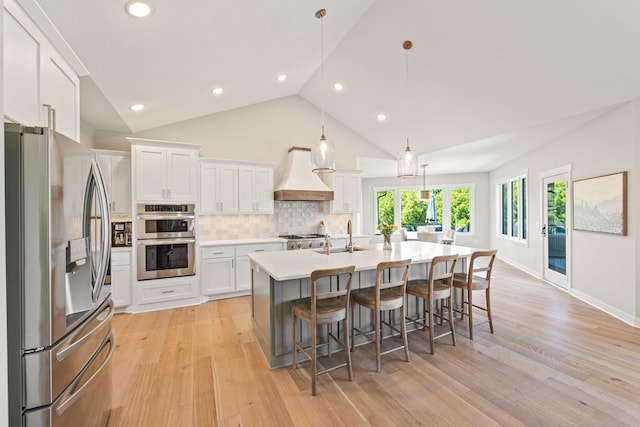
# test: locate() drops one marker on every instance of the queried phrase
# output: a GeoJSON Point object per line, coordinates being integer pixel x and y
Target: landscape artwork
{"type": "Point", "coordinates": [600, 204]}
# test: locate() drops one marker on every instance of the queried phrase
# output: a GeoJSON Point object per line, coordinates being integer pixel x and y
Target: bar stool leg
{"type": "Point", "coordinates": [378, 357]}
{"type": "Point", "coordinates": [347, 351]}
{"type": "Point", "coordinates": [403, 331]}
{"type": "Point", "coordinates": [313, 358]}
{"type": "Point", "coordinates": [453, 332]}
{"type": "Point", "coordinates": [470, 312]}
{"type": "Point", "coordinates": [489, 310]}
{"type": "Point", "coordinates": [294, 353]}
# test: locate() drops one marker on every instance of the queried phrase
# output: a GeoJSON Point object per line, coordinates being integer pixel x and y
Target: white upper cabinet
{"type": "Point", "coordinates": [116, 171]}
{"type": "Point", "coordinates": [40, 87]}
{"type": "Point", "coordinates": [165, 173]}
{"type": "Point", "coordinates": [218, 187]}
{"type": "Point", "coordinates": [347, 191]}
{"type": "Point", "coordinates": [255, 184]}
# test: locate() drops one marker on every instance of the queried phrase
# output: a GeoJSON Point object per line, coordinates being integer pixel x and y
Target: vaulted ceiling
{"type": "Point", "coordinates": [488, 80]}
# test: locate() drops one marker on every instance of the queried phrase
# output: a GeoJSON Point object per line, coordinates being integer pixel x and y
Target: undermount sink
{"type": "Point", "coordinates": [338, 250]}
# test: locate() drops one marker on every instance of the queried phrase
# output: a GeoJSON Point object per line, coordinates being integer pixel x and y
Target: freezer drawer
{"type": "Point", "coordinates": [86, 402]}
{"type": "Point", "coordinates": [48, 372]}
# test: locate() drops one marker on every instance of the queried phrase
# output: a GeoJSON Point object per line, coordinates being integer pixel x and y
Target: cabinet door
{"type": "Point", "coordinates": [208, 185]}
{"type": "Point", "coordinates": [246, 199]}
{"type": "Point", "coordinates": [121, 184]}
{"type": "Point", "coordinates": [150, 173]}
{"type": "Point", "coordinates": [181, 175]}
{"type": "Point", "coordinates": [351, 192]}
{"type": "Point", "coordinates": [218, 276]}
{"type": "Point", "coordinates": [121, 285]}
{"type": "Point", "coordinates": [61, 90]}
{"type": "Point", "coordinates": [337, 185]}
{"type": "Point", "coordinates": [21, 71]}
{"type": "Point", "coordinates": [228, 188]}
{"type": "Point", "coordinates": [243, 273]}
{"type": "Point", "coordinates": [263, 190]}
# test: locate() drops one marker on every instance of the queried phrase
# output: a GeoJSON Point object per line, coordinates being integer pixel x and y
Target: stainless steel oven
{"type": "Point", "coordinates": [162, 258]}
{"type": "Point", "coordinates": [165, 221]}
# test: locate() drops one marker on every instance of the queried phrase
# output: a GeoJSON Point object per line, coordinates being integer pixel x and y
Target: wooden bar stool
{"type": "Point", "coordinates": [481, 262]}
{"type": "Point", "coordinates": [323, 308]}
{"type": "Point", "coordinates": [383, 297]}
{"type": "Point", "coordinates": [437, 287]}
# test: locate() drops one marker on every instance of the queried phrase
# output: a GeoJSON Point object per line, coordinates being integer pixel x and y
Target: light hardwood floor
{"type": "Point", "coordinates": [553, 361]}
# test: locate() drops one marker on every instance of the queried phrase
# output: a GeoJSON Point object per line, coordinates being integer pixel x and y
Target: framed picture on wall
{"type": "Point", "coordinates": [600, 204]}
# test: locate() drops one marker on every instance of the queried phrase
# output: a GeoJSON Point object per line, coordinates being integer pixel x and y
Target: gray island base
{"type": "Point", "coordinates": [280, 277]}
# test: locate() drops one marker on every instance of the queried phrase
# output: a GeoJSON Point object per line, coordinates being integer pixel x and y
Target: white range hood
{"type": "Point", "coordinates": [299, 182]}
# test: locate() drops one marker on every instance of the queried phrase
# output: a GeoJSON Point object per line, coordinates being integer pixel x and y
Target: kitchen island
{"type": "Point", "coordinates": [280, 277]}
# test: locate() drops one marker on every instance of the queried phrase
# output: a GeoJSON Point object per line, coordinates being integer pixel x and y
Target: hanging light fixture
{"type": "Point", "coordinates": [424, 193]}
{"type": "Point", "coordinates": [322, 160]}
{"type": "Point", "coordinates": [407, 160]}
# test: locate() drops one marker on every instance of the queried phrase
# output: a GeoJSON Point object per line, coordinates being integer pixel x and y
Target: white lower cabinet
{"type": "Point", "coordinates": [226, 270]}
{"type": "Point", "coordinates": [121, 278]}
{"type": "Point", "coordinates": [218, 270]}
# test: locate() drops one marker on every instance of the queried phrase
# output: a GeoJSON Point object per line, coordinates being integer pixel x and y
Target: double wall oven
{"type": "Point", "coordinates": [166, 241]}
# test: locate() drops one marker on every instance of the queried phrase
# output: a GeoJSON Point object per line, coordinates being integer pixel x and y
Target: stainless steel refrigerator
{"type": "Point", "coordinates": [59, 311]}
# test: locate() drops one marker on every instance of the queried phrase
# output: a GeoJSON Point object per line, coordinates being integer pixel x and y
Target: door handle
{"type": "Point", "coordinates": [544, 230]}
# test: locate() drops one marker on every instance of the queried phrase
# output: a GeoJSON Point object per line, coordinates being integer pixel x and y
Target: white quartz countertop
{"type": "Point", "coordinates": [286, 265]}
{"type": "Point", "coordinates": [236, 242]}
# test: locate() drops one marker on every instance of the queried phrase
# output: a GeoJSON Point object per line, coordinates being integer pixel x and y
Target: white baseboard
{"type": "Point", "coordinates": [610, 310]}
{"type": "Point", "coordinates": [594, 302]}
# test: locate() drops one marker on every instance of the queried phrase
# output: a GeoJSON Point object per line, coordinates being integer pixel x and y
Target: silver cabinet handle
{"type": "Point", "coordinates": [168, 292]}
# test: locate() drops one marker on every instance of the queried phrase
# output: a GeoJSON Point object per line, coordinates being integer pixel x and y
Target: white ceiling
{"type": "Point", "coordinates": [488, 80]}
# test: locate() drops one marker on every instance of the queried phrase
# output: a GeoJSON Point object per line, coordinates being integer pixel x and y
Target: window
{"type": "Point", "coordinates": [449, 207]}
{"type": "Point", "coordinates": [512, 196]}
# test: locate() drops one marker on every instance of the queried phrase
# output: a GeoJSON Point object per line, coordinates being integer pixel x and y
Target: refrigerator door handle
{"type": "Point", "coordinates": [95, 182]}
{"type": "Point", "coordinates": [71, 399]}
{"type": "Point", "coordinates": [103, 316]}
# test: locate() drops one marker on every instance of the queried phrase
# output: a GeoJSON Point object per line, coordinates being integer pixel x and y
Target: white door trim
{"type": "Point", "coordinates": [566, 169]}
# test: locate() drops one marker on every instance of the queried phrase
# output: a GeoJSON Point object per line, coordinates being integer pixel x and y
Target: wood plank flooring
{"type": "Point", "coordinates": [553, 361]}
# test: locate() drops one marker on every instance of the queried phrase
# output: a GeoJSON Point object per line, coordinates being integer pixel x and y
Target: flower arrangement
{"type": "Point", "coordinates": [386, 230]}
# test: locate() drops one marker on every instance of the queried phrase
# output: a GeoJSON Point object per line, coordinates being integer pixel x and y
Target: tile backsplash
{"type": "Point", "coordinates": [289, 217]}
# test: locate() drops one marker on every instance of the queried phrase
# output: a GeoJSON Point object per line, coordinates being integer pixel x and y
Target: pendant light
{"type": "Point", "coordinates": [407, 160]}
{"type": "Point", "coordinates": [424, 194]}
{"type": "Point", "coordinates": [322, 160]}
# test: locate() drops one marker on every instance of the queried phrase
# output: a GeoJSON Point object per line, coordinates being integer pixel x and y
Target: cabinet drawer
{"type": "Point", "coordinates": [262, 247]}
{"type": "Point", "coordinates": [158, 293]}
{"type": "Point", "coordinates": [120, 258]}
{"type": "Point", "coordinates": [218, 252]}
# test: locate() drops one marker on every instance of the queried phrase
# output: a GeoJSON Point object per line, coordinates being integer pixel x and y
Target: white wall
{"type": "Point", "coordinates": [86, 134]}
{"type": "Point", "coordinates": [479, 237]}
{"type": "Point", "coordinates": [261, 132]}
{"type": "Point", "coordinates": [603, 267]}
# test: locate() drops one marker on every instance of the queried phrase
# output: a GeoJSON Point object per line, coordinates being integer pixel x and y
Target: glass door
{"type": "Point", "coordinates": [555, 229]}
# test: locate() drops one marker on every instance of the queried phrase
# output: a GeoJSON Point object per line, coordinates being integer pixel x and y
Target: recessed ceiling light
{"type": "Point", "coordinates": [381, 117]}
{"type": "Point", "coordinates": [217, 91]}
{"type": "Point", "coordinates": [338, 87]}
{"type": "Point", "coordinates": [281, 77]}
{"type": "Point", "coordinates": [137, 107]}
{"type": "Point", "coordinates": [138, 9]}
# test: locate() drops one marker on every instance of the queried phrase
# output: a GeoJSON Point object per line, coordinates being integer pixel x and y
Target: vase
{"type": "Point", "coordinates": [387, 242]}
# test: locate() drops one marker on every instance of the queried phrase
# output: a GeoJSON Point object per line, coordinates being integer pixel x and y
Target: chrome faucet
{"type": "Point", "coordinates": [349, 245]}
{"type": "Point", "coordinates": [327, 244]}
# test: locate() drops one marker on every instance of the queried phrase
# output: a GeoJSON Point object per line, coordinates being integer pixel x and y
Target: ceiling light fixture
{"type": "Point", "coordinates": [424, 194]}
{"type": "Point", "coordinates": [137, 107]}
{"type": "Point", "coordinates": [338, 87]}
{"type": "Point", "coordinates": [281, 77]}
{"type": "Point", "coordinates": [217, 91]}
{"type": "Point", "coordinates": [407, 161]}
{"type": "Point", "coordinates": [322, 160]}
{"type": "Point", "coordinates": [138, 9]}
{"type": "Point", "coordinates": [381, 117]}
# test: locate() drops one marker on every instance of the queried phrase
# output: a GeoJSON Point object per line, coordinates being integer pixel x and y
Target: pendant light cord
{"type": "Point", "coordinates": [406, 56]}
{"type": "Point", "coordinates": [322, 69]}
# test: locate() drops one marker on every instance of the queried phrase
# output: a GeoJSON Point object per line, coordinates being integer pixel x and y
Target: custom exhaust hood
{"type": "Point", "coordinates": [299, 182]}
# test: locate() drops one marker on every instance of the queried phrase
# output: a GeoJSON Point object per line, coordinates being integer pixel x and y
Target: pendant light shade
{"type": "Point", "coordinates": [407, 160]}
{"type": "Point", "coordinates": [424, 193]}
{"type": "Point", "coordinates": [322, 158]}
